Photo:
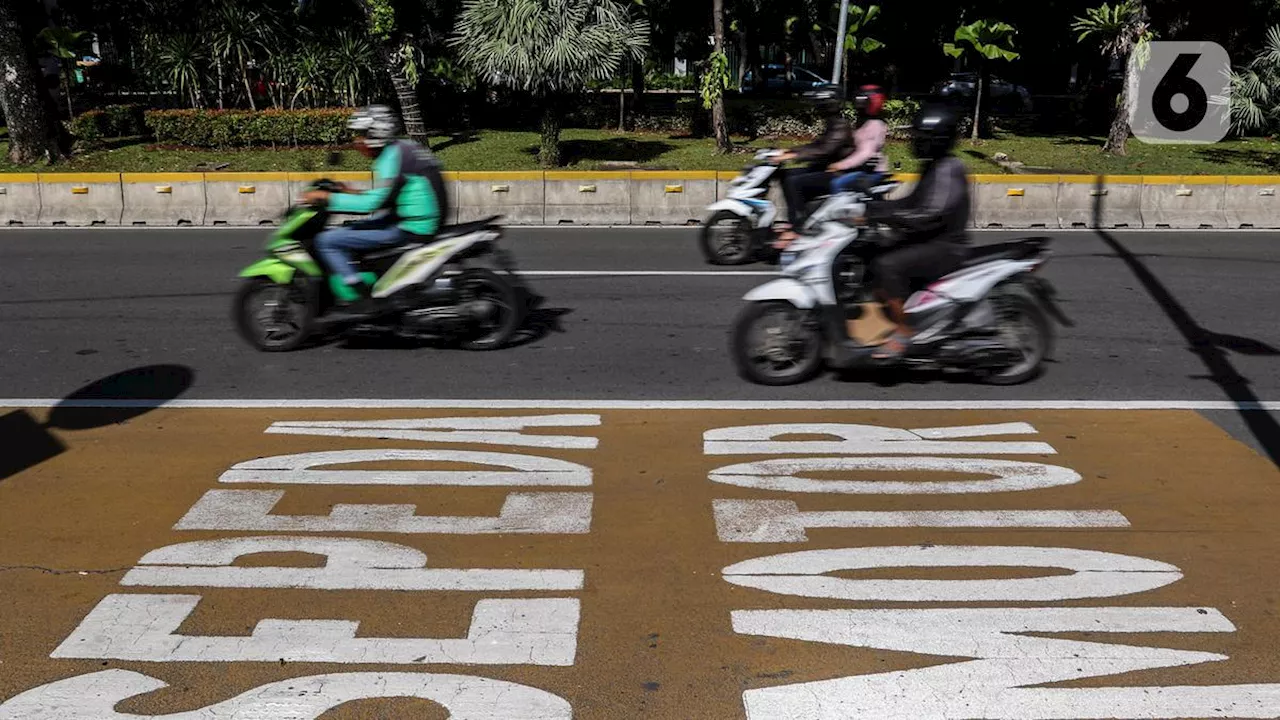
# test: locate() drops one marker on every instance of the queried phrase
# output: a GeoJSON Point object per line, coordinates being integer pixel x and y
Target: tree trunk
{"type": "Point", "coordinates": [1118, 137]}
{"type": "Point", "coordinates": [66, 90]}
{"type": "Point", "coordinates": [248, 88]}
{"type": "Point", "coordinates": [977, 106]}
{"type": "Point", "coordinates": [718, 121]}
{"type": "Point", "coordinates": [32, 131]}
{"type": "Point", "coordinates": [407, 95]}
{"type": "Point", "coordinates": [549, 150]}
{"type": "Point", "coordinates": [222, 92]}
{"type": "Point", "coordinates": [637, 86]}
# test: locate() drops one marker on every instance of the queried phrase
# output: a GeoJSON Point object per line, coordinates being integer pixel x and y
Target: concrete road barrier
{"type": "Point", "coordinates": [1250, 201]}
{"type": "Point", "coordinates": [1184, 201]}
{"type": "Point", "coordinates": [1103, 201]}
{"type": "Point", "coordinates": [19, 199]}
{"type": "Point", "coordinates": [680, 198]}
{"type": "Point", "coordinates": [246, 198]}
{"type": "Point", "coordinates": [1015, 201]}
{"type": "Point", "coordinates": [80, 199]}
{"type": "Point", "coordinates": [298, 182]}
{"type": "Point", "coordinates": [587, 198]}
{"type": "Point", "coordinates": [164, 199]}
{"type": "Point", "coordinates": [518, 196]}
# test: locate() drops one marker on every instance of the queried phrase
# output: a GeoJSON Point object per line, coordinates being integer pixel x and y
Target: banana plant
{"type": "Point", "coordinates": [65, 44]}
{"type": "Point", "coordinates": [987, 40]}
{"type": "Point", "coordinates": [855, 42]}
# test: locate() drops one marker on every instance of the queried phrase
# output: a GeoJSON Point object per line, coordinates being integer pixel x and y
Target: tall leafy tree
{"type": "Point", "coordinates": [1254, 99]}
{"type": "Point", "coordinates": [241, 34]}
{"type": "Point", "coordinates": [1118, 30]}
{"type": "Point", "coordinates": [716, 80]}
{"type": "Point", "coordinates": [985, 40]}
{"type": "Point", "coordinates": [550, 48]}
{"type": "Point", "coordinates": [32, 130]}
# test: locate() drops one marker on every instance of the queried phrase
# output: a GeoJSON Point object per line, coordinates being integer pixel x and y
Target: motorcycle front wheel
{"type": "Point", "coordinates": [776, 343]}
{"type": "Point", "coordinates": [726, 238]}
{"type": "Point", "coordinates": [273, 317]}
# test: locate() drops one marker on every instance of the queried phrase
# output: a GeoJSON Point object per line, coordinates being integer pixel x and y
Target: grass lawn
{"type": "Point", "coordinates": [604, 149]}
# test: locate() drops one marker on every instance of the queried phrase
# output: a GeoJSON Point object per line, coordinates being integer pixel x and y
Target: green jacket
{"type": "Point", "coordinates": [402, 184]}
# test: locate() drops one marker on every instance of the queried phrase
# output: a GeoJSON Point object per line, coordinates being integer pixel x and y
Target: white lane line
{"type": "Point", "coordinates": [445, 404]}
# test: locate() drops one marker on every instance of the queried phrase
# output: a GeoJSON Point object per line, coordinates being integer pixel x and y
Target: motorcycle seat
{"type": "Point", "coordinates": [386, 252]}
{"type": "Point", "coordinates": [1017, 250]}
{"type": "Point", "coordinates": [455, 230]}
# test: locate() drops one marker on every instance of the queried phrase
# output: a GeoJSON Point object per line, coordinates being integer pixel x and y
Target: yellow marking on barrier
{"type": "Point", "coordinates": [161, 177]}
{"type": "Point", "coordinates": [509, 176]}
{"type": "Point", "coordinates": [247, 177]}
{"type": "Point", "coordinates": [1183, 192]}
{"type": "Point", "coordinates": [16, 178]}
{"type": "Point", "coordinates": [674, 188]}
{"type": "Point", "coordinates": [81, 178]}
{"type": "Point", "coordinates": [164, 189]}
{"type": "Point", "coordinates": [587, 188]}
{"type": "Point", "coordinates": [1015, 192]}
{"type": "Point", "coordinates": [1015, 178]}
{"type": "Point", "coordinates": [500, 188]}
{"type": "Point", "coordinates": [248, 190]}
{"type": "Point", "coordinates": [1107, 179]}
{"type": "Point", "coordinates": [585, 176]}
{"type": "Point", "coordinates": [1253, 179]}
{"type": "Point", "coordinates": [343, 176]}
{"type": "Point", "coordinates": [669, 175]}
{"type": "Point", "coordinates": [80, 190]}
{"type": "Point", "coordinates": [1184, 179]}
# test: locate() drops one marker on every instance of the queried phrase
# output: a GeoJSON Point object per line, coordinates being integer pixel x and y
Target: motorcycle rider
{"type": "Point", "coordinates": [407, 194]}
{"type": "Point", "coordinates": [868, 163]}
{"type": "Point", "coordinates": [931, 219]}
{"type": "Point", "coordinates": [835, 142]}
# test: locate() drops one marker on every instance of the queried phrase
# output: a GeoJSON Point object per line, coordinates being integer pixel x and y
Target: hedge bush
{"type": "Point", "coordinates": [91, 127]}
{"type": "Point", "coordinates": [242, 128]}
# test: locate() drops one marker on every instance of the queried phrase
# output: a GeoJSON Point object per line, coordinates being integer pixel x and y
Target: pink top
{"type": "Point", "coordinates": [869, 141]}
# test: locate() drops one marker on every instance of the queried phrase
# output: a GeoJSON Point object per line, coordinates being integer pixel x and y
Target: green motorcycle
{"type": "Point", "coordinates": [422, 289]}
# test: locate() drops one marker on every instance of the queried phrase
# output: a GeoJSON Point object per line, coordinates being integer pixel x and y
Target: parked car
{"type": "Point", "coordinates": [773, 80]}
{"type": "Point", "coordinates": [960, 88]}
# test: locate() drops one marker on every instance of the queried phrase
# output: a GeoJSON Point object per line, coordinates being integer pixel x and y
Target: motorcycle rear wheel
{"type": "Point", "coordinates": [1022, 317]}
{"type": "Point", "coordinates": [796, 328]}
{"type": "Point", "coordinates": [487, 285]}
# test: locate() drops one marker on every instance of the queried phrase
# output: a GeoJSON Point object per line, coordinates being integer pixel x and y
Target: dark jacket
{"type": "Point", "coordinates": [938, 208]}
{"type": "Point", "coordinates": [835, 143]}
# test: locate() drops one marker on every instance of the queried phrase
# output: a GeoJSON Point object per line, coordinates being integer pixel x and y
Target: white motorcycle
{"type": "Point", "coordinates": [739, 228]}
{"type": "Point", "coordinates": [990, 317]}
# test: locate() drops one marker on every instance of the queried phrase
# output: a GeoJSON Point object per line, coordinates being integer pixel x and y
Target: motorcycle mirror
{"type": "Point", "coordinates": [333, 159]}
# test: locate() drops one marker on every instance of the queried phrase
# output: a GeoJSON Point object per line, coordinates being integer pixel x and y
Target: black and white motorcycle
{"type": "Point", "coordinates": [991, 317]}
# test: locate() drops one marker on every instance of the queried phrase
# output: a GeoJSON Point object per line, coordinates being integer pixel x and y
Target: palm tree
{"type": "Point", "coordinates": [989, 40]}
{"type": "Point", "coordinates": [65, 44]}
{"type": "Point", "coordinates": [239, 35]}
{"type": "Point", "coordinates": [1255, 88]}
{"type": "Point", "coordinates": [550, 48]}
{"type": "Point", "coordinates": [1118, 29]}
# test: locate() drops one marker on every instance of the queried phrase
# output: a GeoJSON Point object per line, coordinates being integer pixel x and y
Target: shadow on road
{"type": "Point", "coordinates": [109, 401]}
{"type": "Point", "coordinates": [1208, 345]}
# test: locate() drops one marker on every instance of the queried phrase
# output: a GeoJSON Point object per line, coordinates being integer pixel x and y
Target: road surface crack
{"type": "Point", "coordinates": [56, 571]}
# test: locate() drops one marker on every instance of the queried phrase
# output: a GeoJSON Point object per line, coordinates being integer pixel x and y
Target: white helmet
{"type": "Point", "coordinates": [378, 124]}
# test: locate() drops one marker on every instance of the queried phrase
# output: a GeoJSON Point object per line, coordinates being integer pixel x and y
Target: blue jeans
{"type": "Point", "coordinates": [333, 245]}
{"type": "Point", "coordinates": [846, 181]}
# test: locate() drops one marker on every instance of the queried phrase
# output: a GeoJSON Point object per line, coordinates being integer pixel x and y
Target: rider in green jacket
{"type": "Point", "coordinates": [406, 195]}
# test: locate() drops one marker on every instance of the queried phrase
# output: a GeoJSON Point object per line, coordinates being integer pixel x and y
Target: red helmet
{"type": "Point", "coordinates": [870, 100]}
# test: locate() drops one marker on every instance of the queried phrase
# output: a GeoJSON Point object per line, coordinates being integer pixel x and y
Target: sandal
{"type": "Point", "coordinates": [893, 348]}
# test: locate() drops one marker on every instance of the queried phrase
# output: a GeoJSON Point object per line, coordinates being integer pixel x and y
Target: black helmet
{"type": "Point", "coordinates": [826, 98]}
{"type": "Point", "coordinates": [934, 132]}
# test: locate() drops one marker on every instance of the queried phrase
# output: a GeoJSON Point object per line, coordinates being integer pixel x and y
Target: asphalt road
{"type": "Point", "coordinates": [1155, 311]}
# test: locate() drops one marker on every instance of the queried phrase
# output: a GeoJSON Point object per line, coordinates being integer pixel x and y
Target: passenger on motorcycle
{"type": "Point", "coordinates": [406, 195]}
{"type": "Point", "coordinates": [868, 164]}
{"type": "Point", "coordinates": [835, 142]}
{"type": "Point", "coordinates": [931, 219]}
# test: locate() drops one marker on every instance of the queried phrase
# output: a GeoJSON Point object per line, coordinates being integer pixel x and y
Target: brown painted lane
{"type": "Point", "coordinates": [656, 632]}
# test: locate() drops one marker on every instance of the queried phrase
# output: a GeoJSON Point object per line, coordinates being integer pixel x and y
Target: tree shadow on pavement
{"type": "Point", "coordinates": [111, 400]}
{"type": "Point", "coordinates": [1211, 347]}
